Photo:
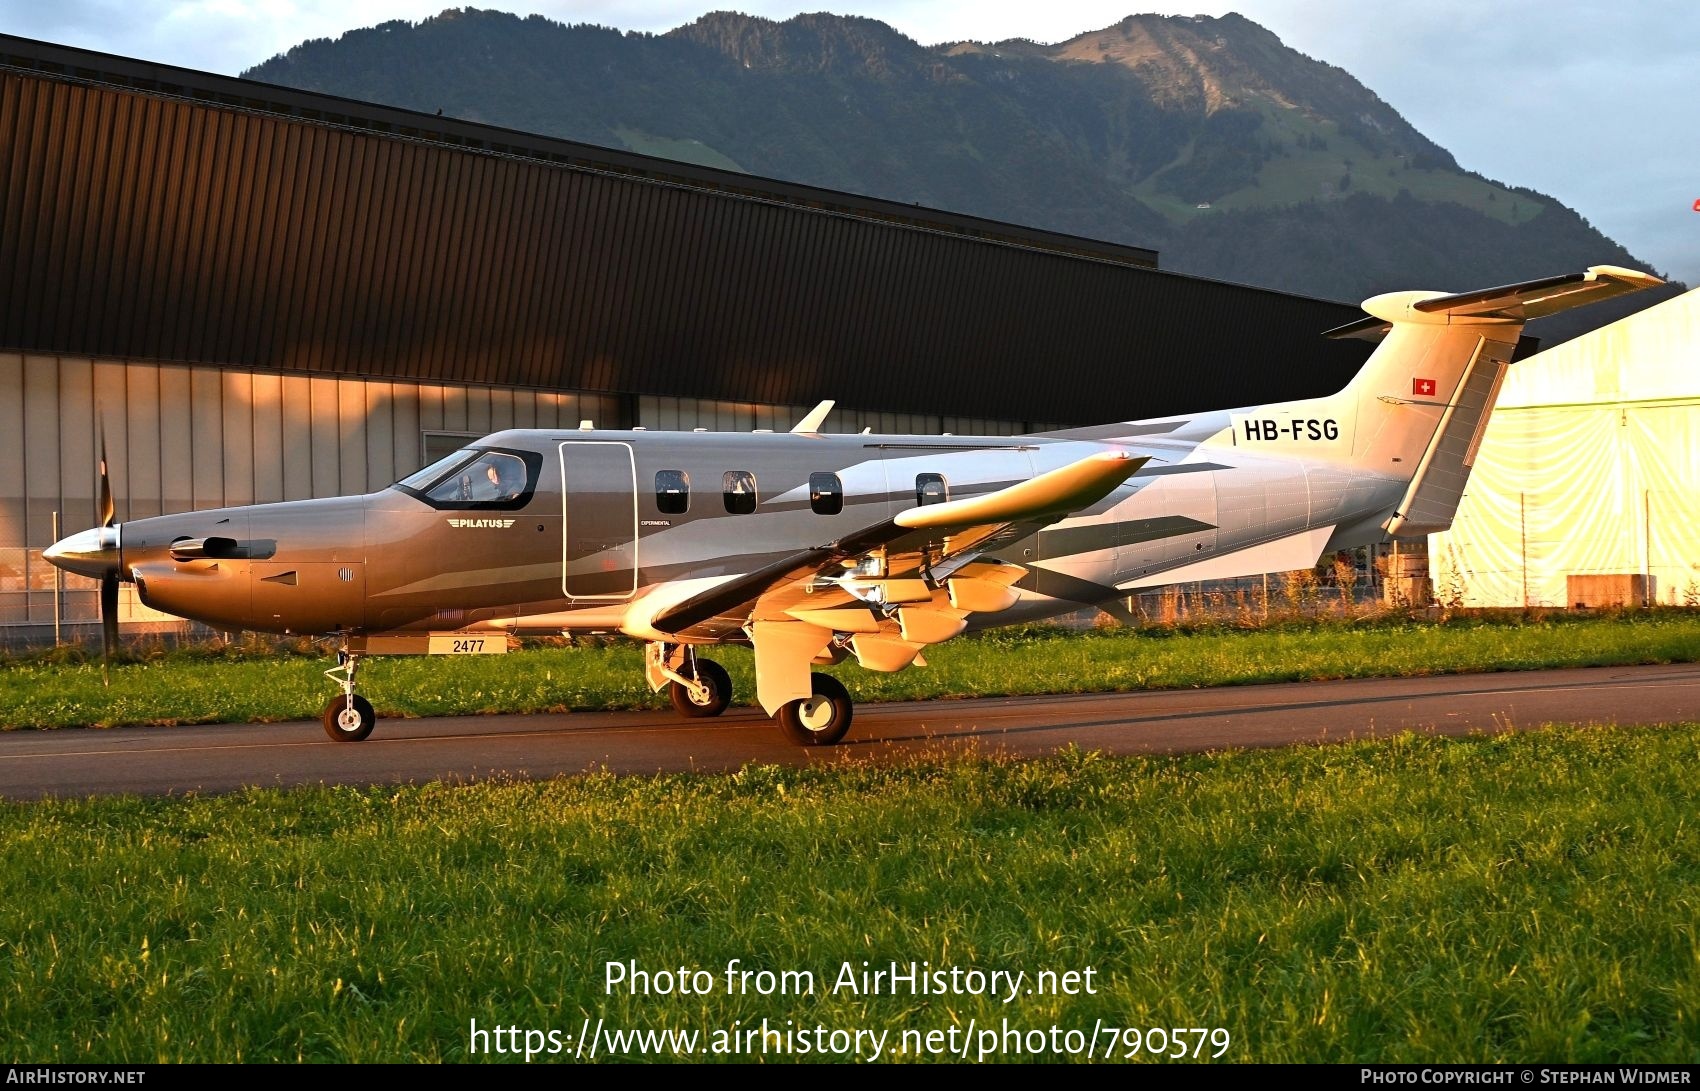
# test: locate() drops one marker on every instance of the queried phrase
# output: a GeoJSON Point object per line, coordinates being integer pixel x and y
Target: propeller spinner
{"type": "Point", "coordinates": [98, 554]}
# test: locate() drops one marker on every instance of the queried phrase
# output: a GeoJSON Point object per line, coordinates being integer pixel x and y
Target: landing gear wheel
{"type": "Point", "coordinates": [347, 721]}
{"type": "Point", "coordinates": [822, 719]}
{"type": "Point", "coordinates": [719, 683]}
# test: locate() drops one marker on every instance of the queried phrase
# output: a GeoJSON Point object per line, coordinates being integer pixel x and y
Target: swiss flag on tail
{"type": "Point", "coordinates": [1422, 387]}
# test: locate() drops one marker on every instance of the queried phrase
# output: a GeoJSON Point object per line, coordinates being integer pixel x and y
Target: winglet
{"type": "Point", "coordinates": [1068, 488]}
{"type": "Point", "coordinates": [816, 418]}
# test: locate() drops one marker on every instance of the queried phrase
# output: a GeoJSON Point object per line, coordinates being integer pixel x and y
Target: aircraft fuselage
{"type": "Point", "coordinates": [606, 518]}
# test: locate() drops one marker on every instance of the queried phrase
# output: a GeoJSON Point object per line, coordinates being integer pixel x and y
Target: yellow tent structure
{"type": "Point", "coordinates": [1586, 488]}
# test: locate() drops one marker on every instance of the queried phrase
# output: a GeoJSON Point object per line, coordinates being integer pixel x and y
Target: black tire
{"type": "Point", "coordinates": [820, 720]}
{"type": "Point", "coordinates": [719, 683]}
{"type": "Point", "coordinates": [353, 727]}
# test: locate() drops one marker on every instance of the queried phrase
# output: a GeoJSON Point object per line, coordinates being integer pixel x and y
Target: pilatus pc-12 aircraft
{"type": "Point", "coordinates": [812, 548]}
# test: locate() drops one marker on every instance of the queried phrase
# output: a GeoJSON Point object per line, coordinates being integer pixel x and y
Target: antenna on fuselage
{"type": "Point", "coordinates": [586, 426]}
{"type": "Point", "coordinates": [816, 417]}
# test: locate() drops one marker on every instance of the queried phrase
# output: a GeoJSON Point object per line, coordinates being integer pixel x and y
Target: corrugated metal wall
{"type": "Point", "coordinates": [138, 226]}
{"type": "Point", "coordinates": [179, 438]}
{"type": "Point", "coordinates": [685, 414]}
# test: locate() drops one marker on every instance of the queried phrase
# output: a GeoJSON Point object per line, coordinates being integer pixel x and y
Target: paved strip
{"type": "Point", "coordinates": [228, 757]}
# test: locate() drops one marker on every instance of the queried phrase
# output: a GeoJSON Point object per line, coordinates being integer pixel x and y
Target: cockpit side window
{"type": "Point", "coordinates": [477, 479]}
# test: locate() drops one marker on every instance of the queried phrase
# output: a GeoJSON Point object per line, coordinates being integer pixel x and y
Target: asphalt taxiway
{"type": "Point", "coordinates": [228, 757]}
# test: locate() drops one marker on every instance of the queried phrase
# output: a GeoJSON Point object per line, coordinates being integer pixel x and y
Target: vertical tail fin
{"type": "Point", "coordinates": [1419, 406]}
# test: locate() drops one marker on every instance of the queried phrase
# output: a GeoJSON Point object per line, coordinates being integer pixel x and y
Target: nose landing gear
{"type": "Point", "coordinates": [708, 696]}
{"type": "Point", "coordinates": [349, 716]}
{"type": "Point", "coordinates": [696, 687]}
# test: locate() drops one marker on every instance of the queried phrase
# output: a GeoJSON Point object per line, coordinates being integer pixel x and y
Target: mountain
{"type": "Point", "coordinates": [1205, 138]}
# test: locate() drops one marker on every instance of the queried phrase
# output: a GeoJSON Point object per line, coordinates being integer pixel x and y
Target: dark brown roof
{"type": "Point", "coordinates": [153, 212]}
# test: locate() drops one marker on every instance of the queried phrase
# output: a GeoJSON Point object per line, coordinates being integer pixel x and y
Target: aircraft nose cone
{"type": "Point", "coordinates": [93, 553]}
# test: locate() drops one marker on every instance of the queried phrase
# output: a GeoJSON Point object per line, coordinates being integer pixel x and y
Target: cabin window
{"type": "Point", "coordinates": [930, 489]}
{"type": "Point", "coordinates": [672, 492]}
{"type": "Point", "coordinates": [826, 494]}
{"type": "Point", "coordinates": [740, 492]}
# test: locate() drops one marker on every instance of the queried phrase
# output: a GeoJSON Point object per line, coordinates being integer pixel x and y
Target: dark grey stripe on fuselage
{"type": "Point", "coordinates": [947, 446]}
{"type": "Point", "coordinates": [1073, 541]}
{"type": "Point", "coordinates": [1059, 585]}
{"type": "Point", "coordinates": [904, 498]}
{"type": "Point", "coordinates": [1118, 431]}
{"type": "Point", "coordinates": [1149, 470]}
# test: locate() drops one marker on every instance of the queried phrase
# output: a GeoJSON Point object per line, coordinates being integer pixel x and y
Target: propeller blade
{"type": "Point", "coordinates": [107, 508]}
{"type": "Point", "coordinates": [108, 624]}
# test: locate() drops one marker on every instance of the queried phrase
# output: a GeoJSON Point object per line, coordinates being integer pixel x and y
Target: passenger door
{"type": "Point", "coordinates": [599, 500]}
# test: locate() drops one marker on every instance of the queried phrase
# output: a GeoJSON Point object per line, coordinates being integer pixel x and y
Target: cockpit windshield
{"type": "Point", "coordinates": [420, 480]}
{"type": "Point", "coordinates": [476, 478]}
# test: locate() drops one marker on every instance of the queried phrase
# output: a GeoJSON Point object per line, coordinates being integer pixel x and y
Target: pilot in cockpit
{"type": "Point", "coordinates": [505, 480]}
{"type": "Point", "coordinates": [498, 477]}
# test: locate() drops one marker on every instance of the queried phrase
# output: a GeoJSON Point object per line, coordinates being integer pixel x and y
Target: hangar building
{"type": "Point", "coordinates": [257, 293]}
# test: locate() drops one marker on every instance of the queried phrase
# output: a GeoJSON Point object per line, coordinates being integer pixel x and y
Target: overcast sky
{"type": "Point", "coordinates": [1587, 102]}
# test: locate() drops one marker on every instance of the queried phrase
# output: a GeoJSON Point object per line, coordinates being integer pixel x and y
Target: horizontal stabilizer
{"type": "Point", "coordinates": [1512, 302]}
{"type": "Point", "coordinates": [1539, 298]}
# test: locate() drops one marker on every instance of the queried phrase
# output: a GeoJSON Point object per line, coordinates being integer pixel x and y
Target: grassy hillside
{"type": "Point", "coordinates": [1305, 159]}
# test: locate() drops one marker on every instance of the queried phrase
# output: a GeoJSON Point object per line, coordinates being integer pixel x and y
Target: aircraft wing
{"type": "Point", "coordinates": [904, 582]}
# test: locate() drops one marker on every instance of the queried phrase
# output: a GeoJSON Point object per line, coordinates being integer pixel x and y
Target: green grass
{"type": "Point", "coordinates": [1513, 898]}
{"type": "Point", "coordinates": [248, 685]}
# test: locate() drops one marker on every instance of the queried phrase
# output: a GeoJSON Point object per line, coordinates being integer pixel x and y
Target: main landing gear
{"type": "Point", "coordinates": [699, 687]}
{"type": "Point", "coordinates": [349, 716]}
{"type": "Point", "coordinates": [820, 719]}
